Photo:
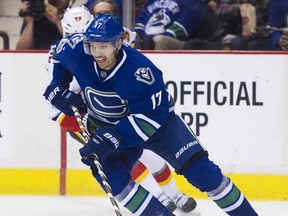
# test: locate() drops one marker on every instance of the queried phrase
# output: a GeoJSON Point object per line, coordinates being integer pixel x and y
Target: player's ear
{"type": "Point", "coordinates": [119, 44]}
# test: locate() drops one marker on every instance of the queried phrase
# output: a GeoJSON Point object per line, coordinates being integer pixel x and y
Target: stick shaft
{"type": "Point", "coordinates": [97, 163]}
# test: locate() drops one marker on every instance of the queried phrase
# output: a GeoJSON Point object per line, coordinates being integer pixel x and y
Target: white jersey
{"type": "Point", "coordinates": [74, 86]}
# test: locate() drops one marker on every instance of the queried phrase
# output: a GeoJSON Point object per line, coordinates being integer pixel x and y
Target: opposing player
{"type": "Point", "coordinates": [76, 20]}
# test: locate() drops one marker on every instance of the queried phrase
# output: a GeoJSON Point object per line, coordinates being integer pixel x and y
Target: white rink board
{"type": "Point", "coordinates": [250, 133]}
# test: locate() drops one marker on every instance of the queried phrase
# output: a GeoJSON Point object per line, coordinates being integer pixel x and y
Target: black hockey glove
{"type": "Point", "coordinates": [62, 99]}
{"type": "Point", "coordinates": [103, 143]}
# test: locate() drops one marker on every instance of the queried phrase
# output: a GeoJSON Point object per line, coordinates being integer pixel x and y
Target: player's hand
{"type": "Point", "coordinates": [103, 143]}
{"type": "Point", "coordinates": [63, 99]}
{"type": "Point", "coordinates": [87, 159]}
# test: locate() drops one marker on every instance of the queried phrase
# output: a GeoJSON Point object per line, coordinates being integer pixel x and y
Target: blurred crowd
{"type": "Point", "coordinates": [172, 24]}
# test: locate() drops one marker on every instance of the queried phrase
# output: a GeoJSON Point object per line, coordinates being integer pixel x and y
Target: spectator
{"type": "Point", "coordinates": [41, 23]}
{"type": "Point", "coordinates": [160, 22]}
{"type": "Point", "coordinates": [104, 6]}
{"type": "Point", "coordinates": [118, 3]}
{"type": "Point", "coordinates": [278, 18]}
{"type": "Point", "coordinates": [228, 16]}
{"type": "Point", "coordinates": [242, 26]}
{"type": "Point", "coordinates": [254, 16]}
{"type": "Point", "coordinates": [138, 6]}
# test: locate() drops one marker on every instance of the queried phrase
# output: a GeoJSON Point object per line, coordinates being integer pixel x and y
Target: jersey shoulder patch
{"type": "Point", "coordinates": [70, 42]}
{"type": "Point", "coordinates": [145, 75]}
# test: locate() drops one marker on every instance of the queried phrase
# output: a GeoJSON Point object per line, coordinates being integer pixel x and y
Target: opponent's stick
{"type": "Point", "coordinates": [97, 163]}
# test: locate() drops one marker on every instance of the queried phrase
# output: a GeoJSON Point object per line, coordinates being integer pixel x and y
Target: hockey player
{"type": "Point", "coordinates": [123, 87]}
{"type": "Point", "coordinates": [76, 20]}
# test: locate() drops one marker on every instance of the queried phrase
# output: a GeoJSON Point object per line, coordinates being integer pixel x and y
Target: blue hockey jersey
{"type": "Point", "coordinates": [132, 95]}
{"type": "Point", "coordinates": [176, 18]}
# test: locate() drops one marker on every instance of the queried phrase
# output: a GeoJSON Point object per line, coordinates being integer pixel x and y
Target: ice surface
{"type": "Point", "coordinates": [101, 206]}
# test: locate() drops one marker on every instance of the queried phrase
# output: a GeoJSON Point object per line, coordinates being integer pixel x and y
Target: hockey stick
{"type": "Point", "coordinates": [97, 163]}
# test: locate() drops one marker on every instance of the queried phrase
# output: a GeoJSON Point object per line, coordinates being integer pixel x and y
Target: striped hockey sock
{"type": "Point", "coordinates": [141, 175]}
{"type": "Point", "coordinates": [140, 202]}
{"type": "Point", "coordinates": [229, 198]}
{"type": "Point", "coordinates": [166, 181]}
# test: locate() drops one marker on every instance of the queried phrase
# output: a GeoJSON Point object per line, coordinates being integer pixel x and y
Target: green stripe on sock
{"type": "Point", "coordinates": [137, 200]}
{"type": "Point", "coordinates": [230, 199]}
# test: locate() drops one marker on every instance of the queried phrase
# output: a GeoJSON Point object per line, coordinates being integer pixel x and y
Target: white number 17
{"type": "Point", "coordinates": [156, 99]}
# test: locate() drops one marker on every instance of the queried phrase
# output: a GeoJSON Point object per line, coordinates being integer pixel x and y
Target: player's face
{"type": "Point", "coordinates": [104, 54]}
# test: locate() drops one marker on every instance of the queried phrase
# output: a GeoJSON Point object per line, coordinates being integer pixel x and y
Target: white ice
{"type": "Point", "coordinates": [101, 206]}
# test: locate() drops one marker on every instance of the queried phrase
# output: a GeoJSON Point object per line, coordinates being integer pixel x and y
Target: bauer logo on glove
{"type": "Point", "coordinates": [104, 143]}
{"type": "Point", "coordinates": [112, 139]}
{"type": "Point", "coordinates": [62, 98]}
{"type": "Point", "coordinates": [53, 93]}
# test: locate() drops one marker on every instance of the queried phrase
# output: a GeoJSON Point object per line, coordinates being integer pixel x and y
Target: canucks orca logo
{"type": "Point", "coordinates": [145, 75]}
{"type": "Point", "coordinates": [106, 104]}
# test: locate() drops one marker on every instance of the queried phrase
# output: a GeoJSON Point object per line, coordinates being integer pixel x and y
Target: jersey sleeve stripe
{"type": "Point", "coordinates": [137, 129]}
{"type": "Point", "coordinates": [143, 126]}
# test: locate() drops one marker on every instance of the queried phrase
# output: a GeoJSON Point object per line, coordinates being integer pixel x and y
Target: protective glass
{"type": "Point", "coordinates": [100, 48]}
